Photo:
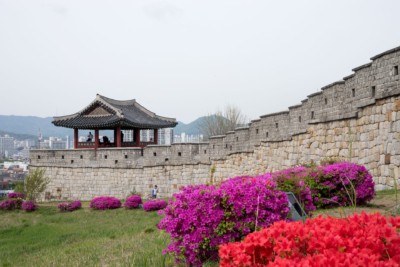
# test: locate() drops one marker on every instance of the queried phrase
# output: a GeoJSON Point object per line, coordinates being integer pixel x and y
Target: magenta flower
{"type": "Point", "coordinates": [70, 206]}
{"type": "Point", "coordinates": [9, 204]}
{"type": "Point", "coordinates": [105, 202]}
{"type": "Point", "coordinates": [202, 217]}
{"type": "Point", "coordinates": [28, 206]}
{"type": "Point", "coordinates": [133, 202]}
{"type": "Point", "coordinates": [16, 195]}
{"type": "Point", "coordinates": [156, 204]}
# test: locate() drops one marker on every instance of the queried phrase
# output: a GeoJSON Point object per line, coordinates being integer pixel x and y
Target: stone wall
{"type": "Point", "coordinates": [356, 119]}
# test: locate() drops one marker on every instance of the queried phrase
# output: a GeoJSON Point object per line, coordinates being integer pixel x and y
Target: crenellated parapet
{"type": "Point", "coordinates": [340, 100]}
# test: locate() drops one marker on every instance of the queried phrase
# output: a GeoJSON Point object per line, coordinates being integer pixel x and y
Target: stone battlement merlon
{"type": "Point", "coordinates": [332, 84]}
{"type": "Point", "coordinates": [388, 52]}
{"type": "Point", "coordinates": [367, 65]}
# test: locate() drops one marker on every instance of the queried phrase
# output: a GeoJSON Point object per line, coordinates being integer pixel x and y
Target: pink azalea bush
{"type": "Point", "coordinates": [295, 180]}
{"type": "Point", "coordinates": [202, 217]}
{"type": "Point", "coordinates": [156, 204]}
{"type": "Point", "coordinates": [28, 206]}
{"type": "Point", "coordinates": [335, 183]}
{"type": "Point", "coordinates": [8, 204]}
{"type": "Point", "coordinates": [16, 195]}
{"type": "Point", "coordinates": [327, 185]}
{"type": "Point", "coordinates": [70, 206]}
{"type": "Point", "coordinates": [105, 202]}
{"type": "Point", "coordinates": [133, 202]}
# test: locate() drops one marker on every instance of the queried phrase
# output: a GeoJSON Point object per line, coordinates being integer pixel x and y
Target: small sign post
{"type": "Point", "coordinates": [296, 211]}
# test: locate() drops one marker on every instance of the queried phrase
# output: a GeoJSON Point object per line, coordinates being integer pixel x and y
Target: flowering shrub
{"type": "Point", "coordinates": [28, 206]}
{"type": "Point", "coordinates": [335, 184]}
{"type": "Point", "coordinates": [74, 205]}
{"type": "Point", "coordinates": [295, 180]}
{"type": "Point", "coordinates": [9, 204]}
{"type": "Point", "coordinates": [133, 202]}
{"type": "Point", "coordinates": [327, 185]}
{"type": "Point", "coordinates": [16, 195]}
{"type": "Point", "coordinates": [202, 217]}
{"type": "Point", "coordinates": [103, 203]}
{"type": "Point", "coordinates": [156, 204]}
{"type": "Point", "coordinates": [360, 240]}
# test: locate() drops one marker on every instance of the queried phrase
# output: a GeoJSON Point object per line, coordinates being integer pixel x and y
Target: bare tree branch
{"type": "Point", "coordinates": [222, 122]}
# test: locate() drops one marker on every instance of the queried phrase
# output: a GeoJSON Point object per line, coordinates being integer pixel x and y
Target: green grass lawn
{"type": "Point", "coordinates": [84, 237]}
{"type": "Point", "coordinates": [118, 237]}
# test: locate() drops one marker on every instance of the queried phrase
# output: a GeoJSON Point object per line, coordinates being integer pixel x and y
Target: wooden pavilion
{"type": "Point", "coordinates": [121, 117]}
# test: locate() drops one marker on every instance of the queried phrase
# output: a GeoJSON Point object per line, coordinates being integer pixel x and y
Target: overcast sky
{"type": "Point", "coordinates": [184, 59]}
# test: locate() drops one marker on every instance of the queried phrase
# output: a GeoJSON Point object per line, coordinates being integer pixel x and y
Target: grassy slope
{"type": "Point", "coordinates": [104, 238]}
{"type": "Point", "coordinates": [81, 238]}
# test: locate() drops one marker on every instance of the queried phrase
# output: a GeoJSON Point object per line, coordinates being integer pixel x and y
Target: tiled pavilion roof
{"type": "Point", "coordinates": [107, 113]}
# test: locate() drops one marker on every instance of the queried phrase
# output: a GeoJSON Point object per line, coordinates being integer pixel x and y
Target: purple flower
{"type": "Point", "coordinates": [157, 204]}
{"type": "Point", "coordinates": [133, 202]}
{"type": "Point", "coordinates": [328, 185]}
{"type": "Point", "coordinates": [202, 217]}
{"type": "Point", "coordinates": [74, 205]}
{"type": "Point", "coordinates": [28, 206]}
{"type": "Point", "coordinates": [105, 202]}
{"type": "Point", "coordinates": [8, 204]}
{"type": "Point", "coordinates": [16, 195]}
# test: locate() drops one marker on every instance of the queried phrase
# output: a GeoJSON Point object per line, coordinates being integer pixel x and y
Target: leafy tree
{"type": "Point", "coordinates": [19, 187]}
{"type": "Point", "coordinates": [35, 183]}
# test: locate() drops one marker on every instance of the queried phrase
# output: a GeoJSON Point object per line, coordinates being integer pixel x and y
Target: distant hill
{"type": "Point", "coordinates": [28, 127]}
{"type": "Point", "coordinates": [191, 128]}
{"type": "Point", "coordinates": [18, 136]}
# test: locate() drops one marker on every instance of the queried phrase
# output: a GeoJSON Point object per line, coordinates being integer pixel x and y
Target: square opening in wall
{"type": "Point", "coordinates": [326, 101]}
{"type": "Point", "coordinates": [353, 92]}
{"type": "Point", "coordinates": [105, 156]}
{"type": "Point", "coordinates": [373, 91]}
{"type": "Point", "coordinates": [256, 131]}
{"type": "Point", "coordinates": [126, 156]}
{"type": "Point", "coordinates": [299, 118]}
{"type": "Point", "coordinates": [205, 151]}
{"type": "Point", "coordinates": [81, 156]}
{"type": "Point", "coordinates": [180, 154]}
{"type": "Point", "coordinates": [276, 125]}
{"type": "Point", "coordinates": [154, 154]}
{"type": "Point", "coordinates": [62, 157]}
{"type": "Point", "coordinates": [72, 161]}
{"type": "Point", "coordinates": [396, 70]}
{"type": "Point", "coordinates": [116, 161]}
{"type": "Point", "coordinates": [38, 157]}
{"type": "Point", "coordinates": [266, 134]}
{"type": "Point", "coordinates": [312, 114]}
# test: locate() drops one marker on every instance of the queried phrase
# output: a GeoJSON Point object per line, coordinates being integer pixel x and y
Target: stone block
{"type": "Point", "coordinates": [387, 159]}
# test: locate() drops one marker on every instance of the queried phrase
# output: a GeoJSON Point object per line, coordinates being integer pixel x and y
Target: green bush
{"type": "Point", "coordinates": [35, 183]}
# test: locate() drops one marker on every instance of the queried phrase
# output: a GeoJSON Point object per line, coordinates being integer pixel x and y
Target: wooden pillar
{"type": "Point", "coordinates": [155, 136]}
{"type": "Point", "coordinates": [118, 136]}
{"type": "Point", "coordinates": [96, 138]}
{"type": "Point", "coordinates": [76, 138]}
{"type": "Point", "coordinates": [137, 136]}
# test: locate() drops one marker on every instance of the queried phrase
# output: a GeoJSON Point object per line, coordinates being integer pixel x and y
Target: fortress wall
{"type": "Point", "coordinates": [83, 183]}
{"type": "Point", "coordinates": [357, 119]}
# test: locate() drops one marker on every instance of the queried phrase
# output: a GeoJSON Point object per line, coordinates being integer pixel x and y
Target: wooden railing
{"type": "Point", "coordinates": [113, 144]}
